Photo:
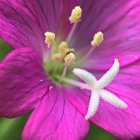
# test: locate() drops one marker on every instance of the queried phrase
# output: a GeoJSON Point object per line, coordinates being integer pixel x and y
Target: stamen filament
{"type": "Point", "coordinates": [68, 39]}
{"type": "Point", "coordinates": [74, 18]}
{"type": "Point", "coordinates": [64, 71]}
{"type": "Point", "coordinates": [89, 53]}
{"type": "Point", "coordinates": [97, 40]}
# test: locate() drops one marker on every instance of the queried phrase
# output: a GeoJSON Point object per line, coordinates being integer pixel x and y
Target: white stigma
{"type": "Point", "coordinates": [96, 88]}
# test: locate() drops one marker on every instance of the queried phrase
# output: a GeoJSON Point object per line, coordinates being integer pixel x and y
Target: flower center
{"type": "Point", "coordinates": [60, 59]}
{"type": "Point", "coordinates": [59, 65]}
{"type": "Point", "coordinates": [60, 62]}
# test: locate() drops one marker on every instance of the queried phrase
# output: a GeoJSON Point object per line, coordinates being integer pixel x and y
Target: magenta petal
{"type": "Point", "coordinates": [22, 82]}
{"type": "Point", "coordinates": [64, 26]}
{"type": "Point", "coordinates": [24, 22]}
{"type": "Point", "coordinates": [116, 19]}
{"type": "Point", "coordinates": [123, 123]}
{"type": "Point", "coordinates": [55, 119]}
{"type": "Point", "coordinates": [119, 21]}
{"type": "Point", "coordinates": [103, 58]}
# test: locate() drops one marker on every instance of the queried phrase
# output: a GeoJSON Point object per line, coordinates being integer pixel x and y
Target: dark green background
{"type": "Point", "coordinates": [10, 129]}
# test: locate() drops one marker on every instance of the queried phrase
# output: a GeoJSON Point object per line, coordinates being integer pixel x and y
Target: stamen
{"type": "Point", "coordinates": [97, 39]}
{"type": "Point", "coordinates": [63, 47]}
{"type": "Point", "coordinates": [49, 40]}
{"type": "Point", "coordinates": [76, 15]}
{"type": "Point", "coordinates": [69, 59]}
{"type": "Point", "coordinates": [74, 18]}
{"type": "Point", "coordinates": [63, 51]}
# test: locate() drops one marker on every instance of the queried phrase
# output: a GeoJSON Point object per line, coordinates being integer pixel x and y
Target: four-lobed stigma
{"type": "Point", "coordinates": [97, 88]}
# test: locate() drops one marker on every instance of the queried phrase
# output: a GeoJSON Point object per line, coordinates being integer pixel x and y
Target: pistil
{"type": "Point", "coordinates": [96, 88]}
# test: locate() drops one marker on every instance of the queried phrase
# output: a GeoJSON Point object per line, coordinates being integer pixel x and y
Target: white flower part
{"type": "Point", "coordinates": [85, 76]}
{"type": "Point", "coordinates": [93, 104]}
{"type": "Point", "coordinates": [112, 99]}
{"type": "Point", "coordinates": [109, 75]}
{"type": "Point", "coordinates": [97, 90]}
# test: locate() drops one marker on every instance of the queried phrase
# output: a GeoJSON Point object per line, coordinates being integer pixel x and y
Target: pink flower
{"type": "Point", "coordinates": [31, 80]}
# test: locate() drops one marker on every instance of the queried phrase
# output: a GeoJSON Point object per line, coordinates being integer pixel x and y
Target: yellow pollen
{"type": "Point", "coordinates": [97, 39]}
{"type": "Point", "coordinates": [76, 15]}
{"type": "Point", "coordinates": [116, 60]}
{"type": "Point", "coordinates": [63, 51]}
{"type": "Point", "coordinates": [69, 59]}
{"type": "Point", "coordinates": [49, 38]}
{"type": "Point", "coordinates": [63, 47]}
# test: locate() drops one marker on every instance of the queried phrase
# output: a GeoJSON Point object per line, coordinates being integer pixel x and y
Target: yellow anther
{"type": "Point", "coordinates": [62, 48]}
{"type": "Point", "coordinates": [116, 60]}
{"type": "Point", "coordinates": [69, 59]}
{"type": "Point", "coordinates": [97, 39]}
{"type": "Point", "coordinates": [76, 15]}
{"type": "Point", "coordinates": [49, 40]}
{"type": "Point", "coordinates": [63, 51]}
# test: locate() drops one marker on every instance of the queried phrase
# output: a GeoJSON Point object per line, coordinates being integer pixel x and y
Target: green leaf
{"type": "Point", "coordinates": [97, 133]}
{"type": "Point", "coordinates": [4, 49]}
{"type": "Point", "coordinates": [11, 129]}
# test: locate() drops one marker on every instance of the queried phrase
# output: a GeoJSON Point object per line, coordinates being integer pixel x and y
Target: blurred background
{"type": "Point", "coordinates": [10, 129]}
